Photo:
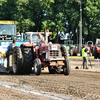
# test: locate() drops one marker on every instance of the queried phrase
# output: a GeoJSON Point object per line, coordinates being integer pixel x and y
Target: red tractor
{"type": "Point", "coordinates": [50, 55]}
{"type": "Point", "coordinates": [97, 49]}
{"type": "Point", "coordinates": [89, 46]}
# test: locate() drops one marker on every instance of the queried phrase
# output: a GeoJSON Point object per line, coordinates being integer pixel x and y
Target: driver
{"type": "Point", "coordinates": [40, 40]}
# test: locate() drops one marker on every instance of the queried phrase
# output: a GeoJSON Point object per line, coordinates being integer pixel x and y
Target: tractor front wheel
{"type": "Point", "coordinates": [66, 68]}
{"type": "Point", "coordinates": [37, 66]}
{"type": "Point", "coordinates": [64, 52]}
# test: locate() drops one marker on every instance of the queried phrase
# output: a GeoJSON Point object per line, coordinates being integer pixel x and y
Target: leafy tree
{"type": "Point", "coordinates": [92, 19]}
{"type": "Point", "coordinates": [2, 1]}
{"type": "Point", "coordinates": [73, 14]}
{"type": "Point", "coordinates": [55, 18]}
{"type": "Point", "coordinates": [55, 15]}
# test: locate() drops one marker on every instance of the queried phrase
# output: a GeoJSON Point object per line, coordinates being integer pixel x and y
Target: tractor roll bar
{"type": "Point", "coordinates": [45, 33]}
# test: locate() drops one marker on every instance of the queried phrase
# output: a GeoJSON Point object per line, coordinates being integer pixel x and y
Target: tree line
{"type": "Point", "coordinates": [55, 15]}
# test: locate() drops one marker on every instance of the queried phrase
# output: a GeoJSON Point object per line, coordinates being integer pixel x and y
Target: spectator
{"type": "Point", "coordinates": [84, 55]}
{"type": "Point", "coordinates": [12, 45]}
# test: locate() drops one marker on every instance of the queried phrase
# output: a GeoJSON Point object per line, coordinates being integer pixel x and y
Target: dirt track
{"type": "Point", "coordinates": [81, 85]}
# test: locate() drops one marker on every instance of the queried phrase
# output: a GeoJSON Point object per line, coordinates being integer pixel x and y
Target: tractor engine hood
{"type": "Point", "coordinates": [49, 47]}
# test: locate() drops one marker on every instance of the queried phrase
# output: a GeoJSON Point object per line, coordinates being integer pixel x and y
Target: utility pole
{"type": "Point", "coordinates": [80, 36]}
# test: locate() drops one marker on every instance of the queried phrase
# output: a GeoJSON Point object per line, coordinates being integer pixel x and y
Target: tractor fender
{"type": "Point", "coordinates": [26, 45]}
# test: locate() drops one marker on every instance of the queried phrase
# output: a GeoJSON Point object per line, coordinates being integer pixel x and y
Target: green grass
{"type": "Point", "coordinates": [79, 57]}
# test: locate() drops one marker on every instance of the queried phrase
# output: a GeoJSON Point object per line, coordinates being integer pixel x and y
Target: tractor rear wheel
{"type": "Point", "coordinates": [95, 53]}
{"type": "Point", "coordinates": [37, 66]}
{"type": "Point", "coordinates": [66, 68]}
{"type": "Point", "coordinates": [17, 61]}
{"type": "Point", "coordinates": [27, 60]}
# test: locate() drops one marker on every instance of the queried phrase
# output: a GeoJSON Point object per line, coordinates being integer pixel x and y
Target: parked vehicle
{"type": "Point", "coordinates": [97, 49]}
{"type": "Point", "coordinates": [7, 34]}
{"type": "Point", "coordinates": [72, 49]}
